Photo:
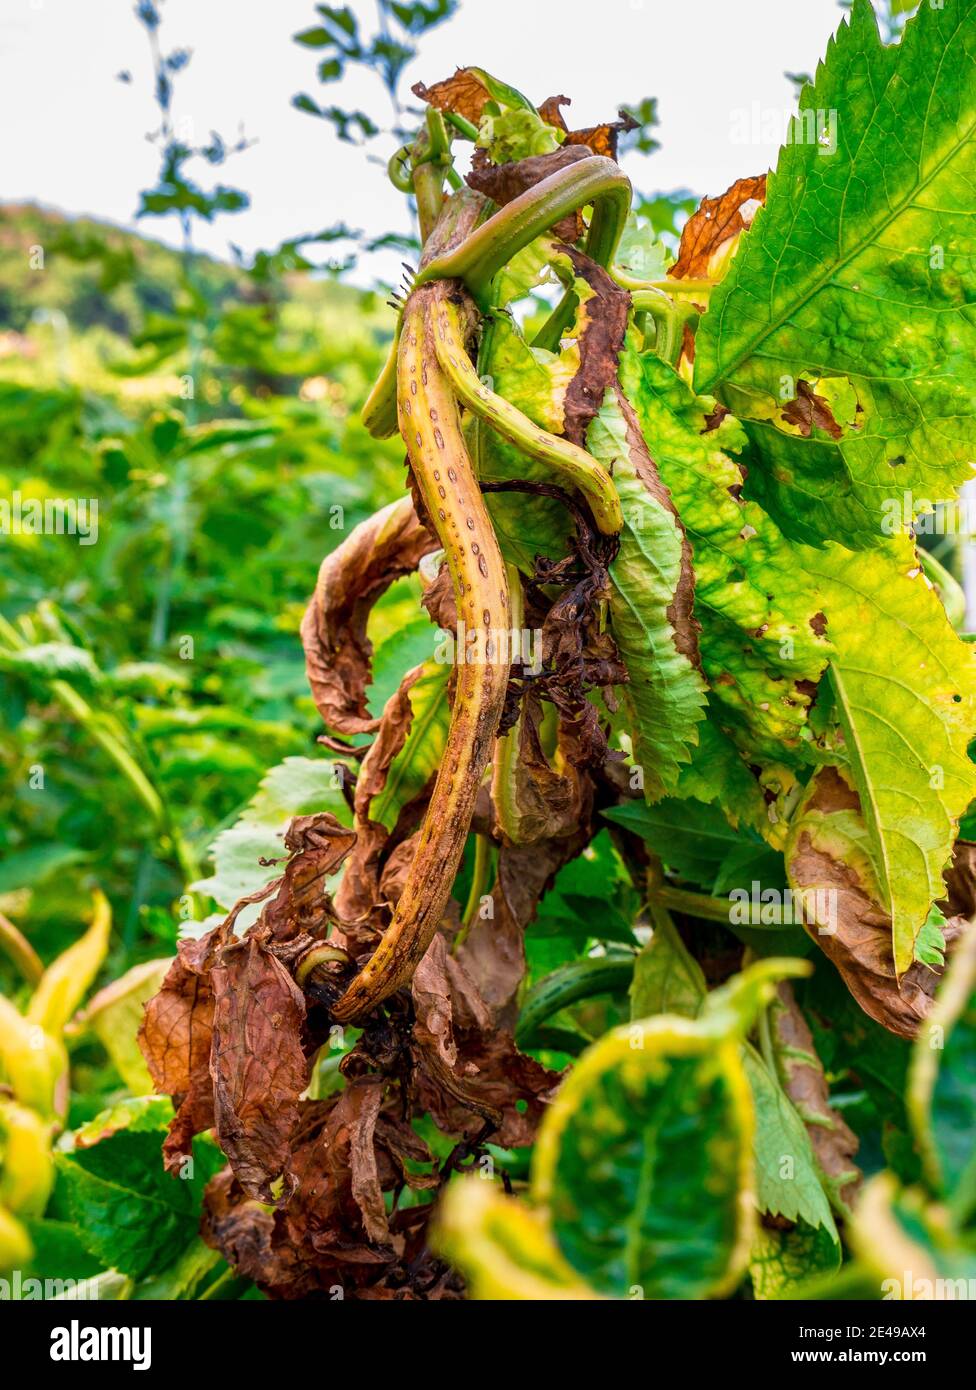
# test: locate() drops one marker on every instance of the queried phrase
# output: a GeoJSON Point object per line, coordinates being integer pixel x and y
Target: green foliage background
{"type": "Point", "coordinates": [150, 681]}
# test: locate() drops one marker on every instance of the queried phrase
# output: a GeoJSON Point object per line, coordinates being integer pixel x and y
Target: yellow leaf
{"type": "Point", "coordinates": [27, 1168]}
{"type": "Point", "coordinates": [31, 1062]}
{"type": "Point", "coordinates": [66, 981]}
{"type": "Point", "coordinates": [504, 1249]}
{"type": "Point", "coordinates": [16, 1250]}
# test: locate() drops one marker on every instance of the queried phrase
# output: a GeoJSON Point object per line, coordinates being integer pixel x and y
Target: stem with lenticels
{"type": "Point", "coordinates": [431, 428]}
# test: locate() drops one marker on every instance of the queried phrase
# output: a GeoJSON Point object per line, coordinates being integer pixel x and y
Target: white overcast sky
{"type": "Point", "coordinates": [73, 137]}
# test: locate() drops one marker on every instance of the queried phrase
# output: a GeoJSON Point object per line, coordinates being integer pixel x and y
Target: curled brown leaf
{"type": "Point", "coordinates": [503, 182]}
{"type": "Point", "coordinates": [175, 1039]}
{"type": "Point", "coordinates": [825, 854]}
{"type": "Point", "coordinates": [597, 139]}
{"type": "Point", "coordinates": [493, 952]}
{"type": "Point", "coordinates": [258, 1064]}
{"type": "Point", "coordinates": [468, 1073]}
{"type": "Point", "coordinates": [464, 93]}
{"type": "Point", "coordinates": [717, 222]}
{"type": "Point", "coordinates": [543, 801]}
{"type": "Point", "coordinates": [602, 325]}
{"type": "Point", "coordinates": [359, 900]}
{"type": "Point", "coordinates": [351, 579]}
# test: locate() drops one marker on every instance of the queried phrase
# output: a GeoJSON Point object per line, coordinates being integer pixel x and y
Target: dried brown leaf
{"type": "Point", "coordinates": [503, 182]}
{"type": "Point", "coordinates": [603, 324]}
{"type": "Point", "coordinates": [351, 579]}
{"type": "Point", "coordinates": [316, 845]}
{"type": "Point", "coordinates": [258, 1064]}
{"type": "Point", "coordinates": [809, 410]}
{"type": "Point", "coordinates": [243, 1230]}
{"type": "Point", "coordinates": [960, 880]}
{"type": "Point", "coordinates": [361, 1103]}
{"type": "Point", "coordinates": [175, 1039]}
{"type": "Point", "coordinates": [467, 1072]}
{"type": "Point", "coordinates": [464, 94]}
{"type": "Point", "coordinates": [598, 139]}
{"type": "Point", "coordinates": [439, 600]}
{"type": "Point", "coordinates": [819, 858]}
{"type": "Point", "coordinates": [432, 995]}
{"type": "Point", "coordinates": [545, 802]}
{"type": "Point", "coordinates": [716, 222]}
{"type": "Point", "coordinates": [493, 953]}
{"type": "Point", "coordinates": [359, 899]}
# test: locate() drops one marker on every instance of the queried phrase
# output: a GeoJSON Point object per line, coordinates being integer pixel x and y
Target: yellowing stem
{"type": "Point", "coordinates": [572, 465]}
{"type": "Point", "coordinates": [431, 429]}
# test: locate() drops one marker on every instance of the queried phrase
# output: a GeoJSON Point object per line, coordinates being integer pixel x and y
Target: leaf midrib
{"type": "Point", "coordinates": [870, 811]}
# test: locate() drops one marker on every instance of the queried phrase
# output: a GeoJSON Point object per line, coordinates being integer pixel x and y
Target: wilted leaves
{"type": "Point", "coordinates": [224, 1035]}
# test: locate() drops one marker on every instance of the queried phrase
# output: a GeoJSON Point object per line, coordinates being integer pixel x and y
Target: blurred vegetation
{"type": "Point", "coordinates": [218, 494]}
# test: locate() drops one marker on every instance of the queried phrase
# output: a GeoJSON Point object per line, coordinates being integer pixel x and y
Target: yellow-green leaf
{"type": "Point", "coordinates": [67, 980]}
{"type": "Point", "coordinates": [502, 1247]}
{"type": "Point", "coordinates": [904, 687]}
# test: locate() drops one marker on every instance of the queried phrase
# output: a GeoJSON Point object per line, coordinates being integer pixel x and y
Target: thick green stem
{"type": "Point", "coordinates": [595, 180]}
{"type": "Point", "coordinates": [428, 184]}
{"type": "Point", "coordinates": [692, 904]}
{"type": "Point", "coordinates": [555, 326]}
{"type": "Point", "coordinates": [950, 590]}
{"type": "Point", "coordinates": [479, 882]}
{"type": "Point", "coordinates": [580, 979]}
{"type": "Point", "coordinates": [701, 289]}
{"type": "Point", "coordinates": [669, 319]}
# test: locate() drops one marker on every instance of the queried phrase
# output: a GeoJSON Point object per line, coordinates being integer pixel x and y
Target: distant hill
{"type": "Point", "coordinates": [100, 274]}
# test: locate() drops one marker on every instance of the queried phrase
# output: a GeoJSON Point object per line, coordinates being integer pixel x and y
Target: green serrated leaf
{"type": "Point", "coordinates": [688, 836]}
{"type": "Point", "coordinates": [129, 1212]}
{"type": "Point", "coordinates": [665, 697]}
{"type": "Point", "coordinates": [759, 643]}
{"type": "Point", "coordinates": [787, 1181]}
{"type": "Point", "coordinates": [858, 277]}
